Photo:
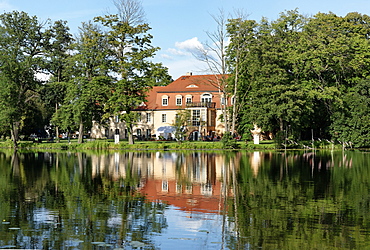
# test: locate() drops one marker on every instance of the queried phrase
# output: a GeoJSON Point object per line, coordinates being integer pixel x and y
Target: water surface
{"type": "Point", "coordinates": [191, 200]}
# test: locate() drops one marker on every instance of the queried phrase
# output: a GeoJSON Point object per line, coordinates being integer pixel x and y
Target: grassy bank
{"type": "Point", "coordinates": [139, 145]}
{"type": "Point", "coordinates": [163, 145]}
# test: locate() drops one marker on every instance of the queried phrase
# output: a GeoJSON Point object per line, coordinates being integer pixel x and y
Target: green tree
{"type": "Point", "coordinates": [52, 95]}
{"type": "Point", "coordinates": [90, 82]}
{"type": "Point", "coordinates": [58, 48]}
{"type": "Point", "coordinates": [131, 50]}
{"type": "Point", "coordinates": [296, 71]}
{"type": "Point", "coordinates": [21, 51]}
{"type": "Point", "coordinates": [272, 95]}
{"type": "Point", "coordinates": [351, 121]}
{"type": "Point", "coordinates": [240, 54]}
{"type": "Point", "coordinates": [329, 61]}
{"type": "Point", "coordinates": [182, 118]}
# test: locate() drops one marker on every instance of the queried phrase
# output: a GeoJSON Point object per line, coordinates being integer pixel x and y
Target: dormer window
{"type": "Point", "coordinates": [165, 100]}
{"type": "Point", "coordinates": [192, 86]}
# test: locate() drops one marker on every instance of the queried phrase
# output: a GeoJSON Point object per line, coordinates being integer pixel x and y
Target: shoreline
{"type": "Point", "coordinates": [107, 144]}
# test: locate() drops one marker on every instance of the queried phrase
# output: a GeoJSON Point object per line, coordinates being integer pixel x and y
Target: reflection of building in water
{"type": "Point", "coordinates": [189, 181]}
{"type": "Point", "coordinates": [118, 165]}
{"type": "Point", "coordinates": [255, 162]}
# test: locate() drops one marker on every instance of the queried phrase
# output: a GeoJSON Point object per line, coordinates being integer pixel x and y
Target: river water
{"type": "Point", "coordinates": [185, 200]}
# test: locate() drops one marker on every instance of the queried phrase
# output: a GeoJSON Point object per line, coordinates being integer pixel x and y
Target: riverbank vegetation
{"type": "Point", "coordinates": [307, 77]}
{"type": "Point", "coordinates": [106, 144]}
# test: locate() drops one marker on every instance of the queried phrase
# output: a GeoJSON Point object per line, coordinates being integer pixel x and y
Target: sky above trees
{"type": "Point", "coordinates": [179, 27]}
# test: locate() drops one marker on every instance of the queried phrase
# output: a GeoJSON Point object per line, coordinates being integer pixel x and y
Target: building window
{"type": "Point", "coordinates": [139, 117]}
{"type": "Point", "coordinates": [138, 133]}
{"type": "Point", "coordinates": [189, 99]}
{"type": "Point", "coordinates": [203, 115]}
{"type": "Point", "coordinates": [206, 189]}
{"type": "Point", "coordinates": [148, 133]}
{"type": "Point", "coordinates": [178, 101]}
{"type": "Point", "coordinates": [164, 118]}
{"type": "Point", "coordinates": [164, 100]}
{"type": "Point", "coordinates": [148, 117]}
{"type": "Point", "coordinates": [196, 117]}
{"type": "Point", "coordinates": [164, 186]}
{"type": "Point", "coordinates": [206, 98]}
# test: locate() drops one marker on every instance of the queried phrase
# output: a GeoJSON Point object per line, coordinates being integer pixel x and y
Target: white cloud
{"type": "Point", "coordinates": [181, 59]}
{"type": "Point", "coordinates": [165, 56]}
{"type": "Point", "coordinates": [191, 45]}
{"type": "Point", "coordinates": [177, 52]}
{"type": "Point", "coordinates": [187, 48]}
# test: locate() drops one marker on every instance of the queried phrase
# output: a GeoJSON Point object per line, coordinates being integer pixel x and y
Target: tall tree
{"type": "Point", "coordinates": [58, 51]}
{"type": "Point", "coordinates": [21, 50]}
{"type": "Point", "coordinates": [351, 119]}
{"type": "Point", "coordinates": [90, 81]}
{"type": "Point", "coordinates": [297, 71]}
{"type": "Point", "coordinates": [213, 54]}
{"type": "Point", "coordinates": [130, 11]}
{"type": "Point", "coordinates": [271, 94]}
{"type": "Point", "coordinates": [242, 34]}
{"type": "Point", "coordinates": [131, 50]}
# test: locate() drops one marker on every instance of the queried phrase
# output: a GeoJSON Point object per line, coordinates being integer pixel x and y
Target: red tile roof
{"type": "Point", "coordinates": [200, 83]}
{"type": "Point", "coordinates": [185, 85]}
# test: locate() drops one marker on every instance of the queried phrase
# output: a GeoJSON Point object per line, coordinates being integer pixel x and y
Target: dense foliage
{"type": "Point", "coordinates": [50, 80]}
{"type": "Point", "coordinates": [304, 75]}
{"type": "Point", "coordinates": [22, 47]}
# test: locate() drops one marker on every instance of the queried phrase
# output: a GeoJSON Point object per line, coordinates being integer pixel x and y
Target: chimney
{"type": "Point", "coordinates": [189, 73]}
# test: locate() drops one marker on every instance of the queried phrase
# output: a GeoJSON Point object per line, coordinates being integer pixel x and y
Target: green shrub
{"type": "Point", "coordinates": [229, 142]}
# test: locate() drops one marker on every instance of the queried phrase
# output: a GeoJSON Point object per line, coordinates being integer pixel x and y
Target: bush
{"type": "Point", "coordinates": [228, 142]}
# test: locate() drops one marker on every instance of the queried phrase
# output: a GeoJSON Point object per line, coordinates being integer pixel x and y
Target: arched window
{"type": "Point", "coordinates": [165, 100]}
{"type": "Point", "coordinates": [178, 100]}
{"type": "Point", "coordinates": [206, 97]}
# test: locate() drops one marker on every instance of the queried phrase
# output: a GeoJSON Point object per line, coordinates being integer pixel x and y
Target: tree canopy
{"type": "Point", "coordinates": [22, 47]}
{"type": "Point", "coordinates": [299, 72]}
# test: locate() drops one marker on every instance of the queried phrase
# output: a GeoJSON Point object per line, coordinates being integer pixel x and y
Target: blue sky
{"type": "Point", "coordinates": [178, 26]}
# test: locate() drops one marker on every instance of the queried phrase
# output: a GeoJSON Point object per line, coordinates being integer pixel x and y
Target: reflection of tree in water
{"type": "Point", "coordinates": [304, 200]}
{"type": "Point", "coordinates": [71, 207]}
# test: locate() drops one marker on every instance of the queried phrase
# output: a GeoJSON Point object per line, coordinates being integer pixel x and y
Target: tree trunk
{"type": "Point", "coordinates": [56, 110]}
{"type": "Point", "coordinates": [225, 111]}
{"type": "Point", "coordinates": [15, 134]}
{"type": "Point", "coordinates": [281, 123]}
{"type": "Point", "coordinates": [130, 135]}
{"type": "Point", "coordinates": [57, 133]}
{"type": "Point", "coordinates": [81, 133]}
{"type": "Point", "coordinates": [233, 122]}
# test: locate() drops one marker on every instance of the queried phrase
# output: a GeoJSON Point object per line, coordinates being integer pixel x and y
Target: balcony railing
{"type": "Point", "coordinates": [200, 104]}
